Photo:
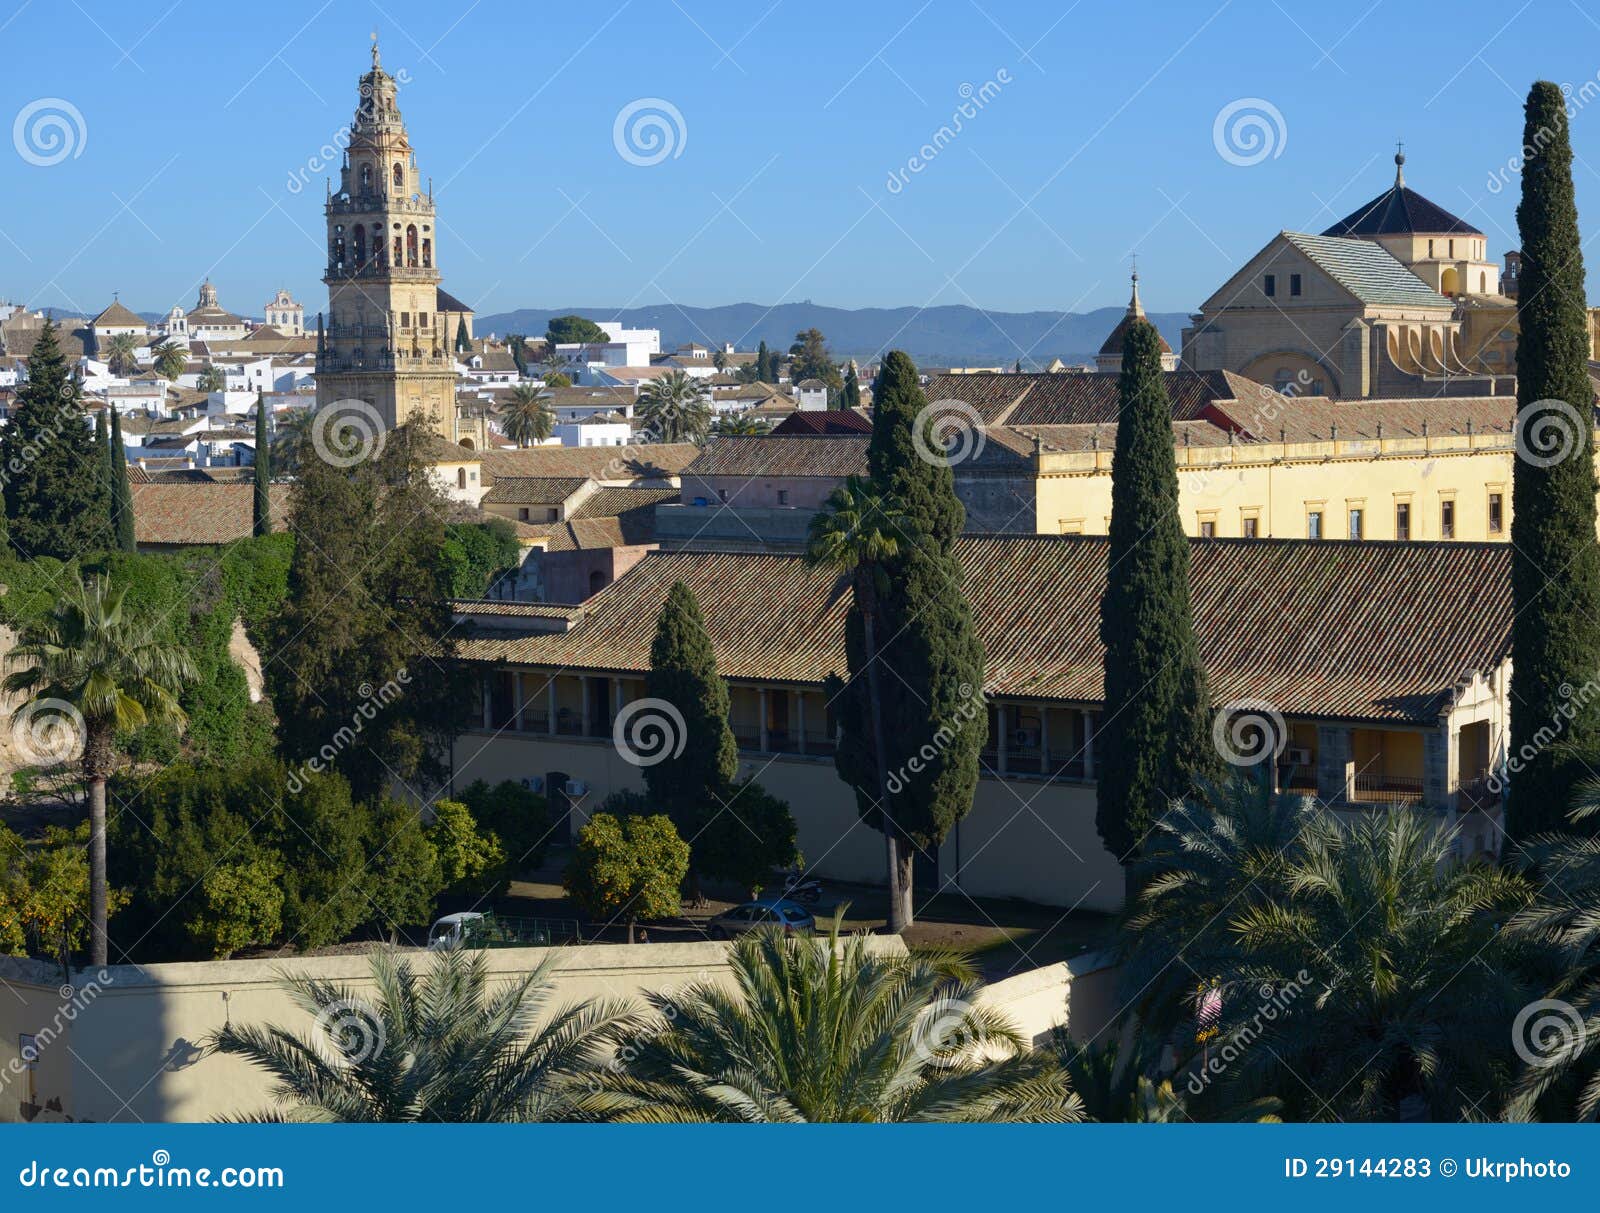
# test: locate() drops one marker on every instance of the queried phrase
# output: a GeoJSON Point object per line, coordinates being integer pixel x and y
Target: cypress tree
{"type": "Point", "coordinates": [926, 638]}
{"type": "Point", "coordinates": [1155, 739]}
{"type": "Point", "coordinates": [121, 490]}
{"type": "Point", "coordinates": [261, 513]}
{"type": "Point", "coordinates": [683, 673]}
{"type": "Point", "coordinates": [850, 398]}
{"type": "Point", "coordinates": [102, 440]}
{"type": "Point", "coordinates": [764, 365]}
{"type": "Point", "coordinates": [463, 343]}
{"type": "Point", "coordinates": [1555, 561]}
{"type": "Point", "coordinates": [55, 492]}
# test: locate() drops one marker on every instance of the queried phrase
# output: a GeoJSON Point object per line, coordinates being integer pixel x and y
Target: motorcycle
{"type": "Point", "coordinates": [797, 886]}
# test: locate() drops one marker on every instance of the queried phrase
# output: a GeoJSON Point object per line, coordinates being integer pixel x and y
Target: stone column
{"type": "Point", "coordinates": [1441, 749]}
{"type": "Point", "coordinates": [1000, 745]}
{"type": "Point", "coordinates": [550, 706]}
{"type": "Point", "coordinates": [488, 709]}
{"type": "Point", "coordinates": [583, 723]}
{"type": "Point", "coordinates": [1088, 744]}
{"type": "Point", "coordinates": [1335, 764]}
{"type": "Point", "coordinates": [516, 700]}
{"type": "Point", "coordinates": [800, 719]}
{"type": "Point", "coordinates": [1044, 739]}
{"type": "Point", "coordinates": [761, 717]}
{"type": "Point", "coordinates": [616, 698]}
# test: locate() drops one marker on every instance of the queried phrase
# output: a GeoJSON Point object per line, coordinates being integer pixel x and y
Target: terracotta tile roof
{"type": "Point", "coordinates": [1376, 631]}
{"type": "Point", "coordinates": [118, 316]}
{"type": "Point", "coordinates": [824, 421]}
{"type": "Point", "coordinates": [503, 608]}
{"type": "Point", "coordinates": [587, 534]}
{"type": "Point", "coordinates": [1312, 418]}
{"type": "Point", "coordinates": [171, 514]}
{"type": "Point", "coordinates": [533, 490]}
{"type": "Point", "coordinates": [642, 462]}
{"type": "Point", "coordinates": [1073, 399]}
{"type": "Point", "coordinates": [786, 455]}
{"type": "Point", "coordinates": [615, 502]}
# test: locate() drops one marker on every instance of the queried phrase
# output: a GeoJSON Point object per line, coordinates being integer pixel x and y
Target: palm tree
{"type": "Point", "coordinates": [1210, 858]}
{"type": "Point", "coordinates": [674, 408]}
{"type": "Point", "coordinates": [720, 360]}
{"type": "Point", "coordinates": [1119, 1081]}
{"type": "Point", "coordinates": [442, 1046]}
{"type": "Point", "coordinates": [854, 535]}
{"type": "Point", "coordinates": [1562, 1039]}
{"type": "Point", "coordinates": [740, 425]}
{"type": "Point", "coordinates": [170, 360]}
{"type": "Point", "coordinates": [291, 433]}
{"type": "Point", "coordinates": [825, 1032]}
{"type": "Point", "coordinates": [94, 665]}
{"type": "Point", "coordinates": [1403, 981]}
{"type": "Point", "coordinates": [527, 419]}
{"type": "Point", "coordinates": [212, 379]}
{"type": "Point", "coordinates": [121, 353]}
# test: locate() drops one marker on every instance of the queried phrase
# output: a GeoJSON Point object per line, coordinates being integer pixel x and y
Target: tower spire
{"type": "Point", "coordinates": [1399, 163]}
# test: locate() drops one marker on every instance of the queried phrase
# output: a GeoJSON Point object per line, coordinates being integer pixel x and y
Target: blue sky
{"type": "Point", "coordinates": [1094, 139]}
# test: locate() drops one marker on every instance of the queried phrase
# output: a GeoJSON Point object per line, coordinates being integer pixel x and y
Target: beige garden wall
{"type": "Point", "coordinates": [126, 1043]}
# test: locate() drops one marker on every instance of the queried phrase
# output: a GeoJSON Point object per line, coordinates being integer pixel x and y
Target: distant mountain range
{"type": "Point", "coordinates": [937, 336]}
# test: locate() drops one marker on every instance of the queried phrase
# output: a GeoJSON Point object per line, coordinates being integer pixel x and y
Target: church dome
{"type": "Point", "coordinates": [1401, 211]}
{"type": "Point", "coordinates": [1119, 335]}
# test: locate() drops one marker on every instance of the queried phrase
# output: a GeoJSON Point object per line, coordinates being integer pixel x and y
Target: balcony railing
{"type": "Point", "coordinates": [1386, 789]}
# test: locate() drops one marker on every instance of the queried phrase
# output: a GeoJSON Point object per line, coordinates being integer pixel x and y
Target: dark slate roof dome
{"type": "Point", "coordinates": [1400, 211]}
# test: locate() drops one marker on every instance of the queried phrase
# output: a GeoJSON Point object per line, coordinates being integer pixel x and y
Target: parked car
{"type": "Point", "coordinates": [765, 912]}
{"type": "Point", "coordinates": [471, 929]}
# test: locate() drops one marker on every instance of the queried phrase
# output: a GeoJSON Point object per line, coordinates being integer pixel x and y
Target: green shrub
{"type": "Point", "coordinates": [628, 868]}
{"type": "Point", "coordinates": [471, 860]}
{"type": "Point", "coordinates": [238, 904]}
{"type": "Point", "coordinates": [520, 818]}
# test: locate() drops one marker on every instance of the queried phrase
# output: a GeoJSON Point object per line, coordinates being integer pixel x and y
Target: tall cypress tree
{"type": "Point", "coordinates": [261, 513]}
{"type": "Point", "coordinates": [463, 342]}
{"type": "Point", "coordinates": [683, 673]}
{"type": "Point", "coordinates": [764, 365]}
{"type": "Point", "coordinates": [55, 492]}
{"type": "Point", "coordinates": [850, 398]}
{"type": "Point", "coordinates": [121, 490]}
{"type": "Point", "coordinates": [926, 639]}
{"type": "Point", "coordinates": [1555, 561]}
{"type": "Point", "coordinates": [102, 439]}
{"type": "Point", "coordinates": [1155, 738]}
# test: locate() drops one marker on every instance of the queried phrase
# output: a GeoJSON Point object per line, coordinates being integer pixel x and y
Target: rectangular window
{"type": "Point", "coordinates": [1496, 513]}
{"type": "Point", "coordinates": [1402, 520]}
{"type": "Point", "coordinates": [1355, 524]}
{"type": "Point", "coordinates": [783, 496]}
{"type": "Point", "coordinates": [405, 320]}
{"type": "Point", "coordinates": [1314, 524]}
{"type": "Point", "coordinates": [1208, 529]}
{"type": "Point", "coordinates": [1270, 285]}
{"type": "Point", "coordinates": [1447, 520]}
{"type": "Point", "coordinates": [422, 320]}
{"type": "Point", "coordinates": [1294, 284]}
{"type": "Point", "coordinates": [1248, 527]}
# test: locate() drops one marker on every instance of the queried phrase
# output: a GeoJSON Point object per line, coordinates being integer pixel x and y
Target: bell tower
{"type": "Point", "coordinates": [383, 341]}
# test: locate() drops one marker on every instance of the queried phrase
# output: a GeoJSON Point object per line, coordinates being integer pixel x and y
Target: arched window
{"type": "Point", "coordinates": [398, 259]}
{"type": "Point", "coordinates": [461, 478]}
{"type": "Point", "coordinates": [360, 245]}
{"type": "Point", "coordinates": [366, 176]}
{"type": "Point", "coordinates": [411, 244]}
{"type": "Point", "coordinates": [399, 175]}
{"type": "Point", "coordinates": [1483, 284]}
{"type": "Point", "coordinates": [427, 252]}
{"type": "Point", "coordinates": [337, 252]}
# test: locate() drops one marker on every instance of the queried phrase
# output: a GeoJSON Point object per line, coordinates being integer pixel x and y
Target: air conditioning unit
{"type": "Point", "coordinates": [576, 789]}
{"type": "Point", "coordinates": [1297, 756]}
{"type": "Point", "coordinates": [1024, 739]}
{"type": "Point", "coordinates": [534, 783]}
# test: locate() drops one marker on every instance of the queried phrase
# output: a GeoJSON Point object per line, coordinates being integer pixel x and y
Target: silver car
{"type": "Point", "coordinates": [768, 912]}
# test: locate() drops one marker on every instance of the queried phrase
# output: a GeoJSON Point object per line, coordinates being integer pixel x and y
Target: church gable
{"type": "Point", "coordinates": [1275, 269]}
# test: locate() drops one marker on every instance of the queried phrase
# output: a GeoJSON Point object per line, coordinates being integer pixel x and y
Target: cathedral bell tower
{"type": "Point", "coordinates": [384, 343]}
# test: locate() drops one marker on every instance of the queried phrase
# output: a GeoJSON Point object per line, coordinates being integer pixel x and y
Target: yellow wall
{"type": "Point", "coordinates": [1226, 485]}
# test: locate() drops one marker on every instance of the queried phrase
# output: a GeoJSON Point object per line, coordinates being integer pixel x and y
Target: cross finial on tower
{"type": "Point", "coordinates": [1399, 162]}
